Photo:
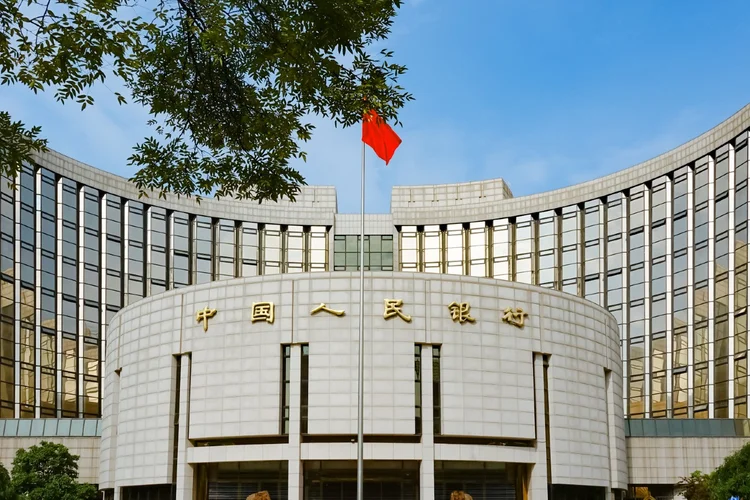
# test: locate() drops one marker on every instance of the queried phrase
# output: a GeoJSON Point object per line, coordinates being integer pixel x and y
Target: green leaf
{"type": "Point", "coordinates": [229, 84]}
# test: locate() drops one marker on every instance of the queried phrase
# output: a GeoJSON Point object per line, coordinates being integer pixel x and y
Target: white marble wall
{"type": "Point", "coordinates": [487, 375]}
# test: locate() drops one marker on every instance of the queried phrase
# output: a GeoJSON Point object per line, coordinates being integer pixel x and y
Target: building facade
{"type": "Point", "coordinates": [224, 389]}
{"type": "Point", "coordinates": [662, 246]}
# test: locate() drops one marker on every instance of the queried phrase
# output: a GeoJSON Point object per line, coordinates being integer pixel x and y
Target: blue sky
{"type": "Point", "coordinates": [544, 94]}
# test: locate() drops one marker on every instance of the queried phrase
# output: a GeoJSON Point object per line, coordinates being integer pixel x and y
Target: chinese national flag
{"type": "Point", "coordinates": [379, 136]}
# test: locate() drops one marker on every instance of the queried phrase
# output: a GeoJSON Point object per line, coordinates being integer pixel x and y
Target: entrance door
{"type": "Point", "coordinates": [481, 480]}
{"type": "Point", "coordinates": [237, 480]}
{"type": "Point", "coordinates": [337, 480]}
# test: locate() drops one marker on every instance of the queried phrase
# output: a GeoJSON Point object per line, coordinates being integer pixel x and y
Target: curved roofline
{"type": "Point", "coordinates": [415, 205]}
{"type": "Point", "coordinates": [315, 205]}
{"type": "Point", "coordinates": [422, 205]}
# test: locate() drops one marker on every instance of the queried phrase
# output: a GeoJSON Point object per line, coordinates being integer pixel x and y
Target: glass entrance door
{"type": "Point", "coordinates": [384, 480]}
{"type": "Point", "coordinates": [481, 480]}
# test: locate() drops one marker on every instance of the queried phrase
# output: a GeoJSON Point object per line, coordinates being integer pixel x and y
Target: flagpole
{"type": "Point", "coordinates": [361, 375]}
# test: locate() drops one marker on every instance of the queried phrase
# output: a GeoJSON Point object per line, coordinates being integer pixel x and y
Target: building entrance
{"type": "Point", "coordinates": [481, 480]}
{"type": "Point", "coordinates": [383, 480]}
{"type": "Point", "coordinates": [237, 480]}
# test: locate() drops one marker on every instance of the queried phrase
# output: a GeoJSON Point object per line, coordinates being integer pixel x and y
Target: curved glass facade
{"type": "Point", "coordinates": [666, 254]}
{"type": "Point", "coordinates": [72, 255]}
{"type": "Point", "coordinates": [667, 257]}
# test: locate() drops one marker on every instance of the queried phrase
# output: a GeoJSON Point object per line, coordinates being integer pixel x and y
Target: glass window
{"type": "Point", "coordinates": [418, 389]}
{"type": "Point", "coordinates": [501, 249]}
{"type": "Point", "coordinates": [181, 271]}
{"type": "Point", "coordinates": [271, 242]}
{"type": "Point", "coordinates": [202, 245]}
{"type": "Point", "coordinates": [305, 388]}
{"type": "Point", "coordinates": [637, 207]}
{"type": "Point", "coordinates": [680, 348]}
{"type": "Point", "coordinates": [317, 250]}
{"type": "Point", "coordinates": [286, 367]}
{"type": "Point", "coordinates": [721, 170]}
{"type": "Point", "coordinates": [113, 256]}
{"type": "Point", "coordinates": [700, 391]}
{"type": "Point", "coordinates": [659, 199]}
{"type": "Point", "coordinates": [454, 249]}
{"type": "Point", "coordinates": [432, 241]}
{"type": "Point", "coordinates": [436, 392]}
{"type": "Point", "coordinates": [409, 248]}
{"type": "Point", "coordinates": [249, 249]}
{"type": "Point", "coordinates": [135, 252]}
{"type": "Point", "coordinates": [477, 235]}
{"type": "Point", "coordinates": [378, 252]}
{"type": "Point", "coordinates": [157, 272]}
{"type": "Point", "coordinates": [295, 248]}
{"type": "Point", "coordinates": [226, 244]}
{"type": "Point", "coordinates": [701, 181]}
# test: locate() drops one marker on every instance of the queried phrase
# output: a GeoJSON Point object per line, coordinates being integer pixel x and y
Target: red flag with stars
{"type": "Point", "coordinates": [379, 136]}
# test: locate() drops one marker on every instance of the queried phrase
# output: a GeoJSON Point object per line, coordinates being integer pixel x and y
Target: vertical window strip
{"type": "Point", "coordinates": [89, 355]}
{"type": "Point", "coordinates": [417, 389]}
{"type": "Point", "coordinates": [477, 249]}
{"type": "Point", "coordinates": [316, 251]}
{"type": "Point", "coordinates": [181, 272]}
{"type": "Point", "coordinates": [157, 250]}
{"type": "Point", "coordinates": [68, 295]}
{"type": "Point", "coordinates": [225, 244]}
{"type": "Point", "coordinates": [271, 244]}
{"type": "Point", "coordinates": [176, 417]}
{"type": "Point", "coordinates": [286, 355]}
{"type": "Point", "coordinates": [294, 249]}
{"type": "Point", "coordinates": [409, 249]}
{"type": "Point", "coordinates": [249, 249]}
{"type": "Point", "coordinates": [436, 403]}
{"type": "Point", "coordinates": [136, 253]}
{"type": "Point", "coordinates": [304, 388]}
{"type": "Point", "coordinates": [7, 299]}
{"type": "Point", "coordinates": [203, 250]}
{"type": "Point", "coordinates": [27, 258]}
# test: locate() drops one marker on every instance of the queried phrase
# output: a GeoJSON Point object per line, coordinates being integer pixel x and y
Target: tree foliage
{"type": "Point", "coordinates": [48, 471]}
{"type": "Point", "coordinates": [695, 487]}
{"type": "Point", "coordinates": [6, 488]}
{"type": "Point", "coordinates": [231, 84]}
{"type": "Point", "coordinates": [732, 477]}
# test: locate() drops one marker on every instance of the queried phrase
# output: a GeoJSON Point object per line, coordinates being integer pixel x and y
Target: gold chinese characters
{"type": "Point", "coordinates": [204, 315]}
{"type": "Point", "coordinates": [323, 307]}
{"type": "Point", "coordinates": [460, 312]}
{"type": "Point", "coordinates": [393, 308]}
{"type": "Point", "coordinates": [515, 317]}
{"type": "Point", "coordinates": [262, 311]}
